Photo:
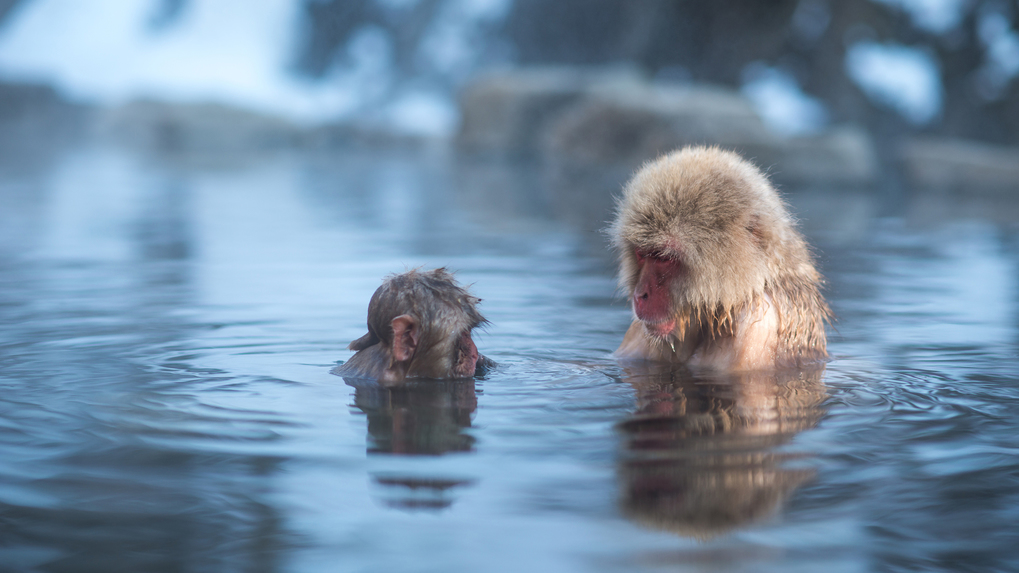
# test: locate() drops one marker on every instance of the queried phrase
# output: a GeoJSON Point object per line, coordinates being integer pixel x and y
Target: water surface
{"type": "Point", "coordinates": [167, 327]}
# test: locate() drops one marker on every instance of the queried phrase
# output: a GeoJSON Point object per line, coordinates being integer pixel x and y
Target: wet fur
{"type": "Point", "coordinates": [444, 310]}
{"type": "Point", "coordinates": [749, 296]}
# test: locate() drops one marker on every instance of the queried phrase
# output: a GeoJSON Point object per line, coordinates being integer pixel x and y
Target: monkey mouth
{"type": "Point", "coordinates": [661, 329]}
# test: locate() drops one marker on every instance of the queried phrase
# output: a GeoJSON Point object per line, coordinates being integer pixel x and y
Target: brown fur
{"type": "Point", "coordinates": [433, 302]}
{"type": "Point", "coordinates": [749, 294]}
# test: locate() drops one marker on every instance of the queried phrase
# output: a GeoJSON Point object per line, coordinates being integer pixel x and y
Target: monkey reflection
{"type": "Point", "coordinates": [418, 418]}
{"type": "Point", "coordinates": [420, 493]}
{"type": "Point", "coordinates": [699, 453]}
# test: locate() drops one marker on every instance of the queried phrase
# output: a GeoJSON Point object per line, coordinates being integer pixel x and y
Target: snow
{"type": "Point", "coordinates": [781, 103]}
{"type": "Point", "coordinates": [903, 78]}
{"type": "Point", "coordinates": [239, 53]}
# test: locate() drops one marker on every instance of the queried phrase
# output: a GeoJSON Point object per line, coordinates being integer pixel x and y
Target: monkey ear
{"type": "Point", "coordinates": [364, 342]}
{"type": "Point", "coordinates": [406, 333]}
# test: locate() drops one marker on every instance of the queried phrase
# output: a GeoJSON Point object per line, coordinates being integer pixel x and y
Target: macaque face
{"type": "Point", "coordinates": [652, 296]}
{"type": "Point", "coordinates": [420, 325]}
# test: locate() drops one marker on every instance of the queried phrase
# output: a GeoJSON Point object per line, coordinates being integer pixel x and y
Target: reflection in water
{"type": "Point", "coordinates": [700, 453]}
{"type": "Point", "coordinates": [422, 418]}
{"type": "Point", "coordinates": [413, 493]}
{"type": "Point", "coordinates": [425, 417]}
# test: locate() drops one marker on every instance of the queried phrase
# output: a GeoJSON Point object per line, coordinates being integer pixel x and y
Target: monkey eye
{"type": "Point", "coordinates": [655, 254]}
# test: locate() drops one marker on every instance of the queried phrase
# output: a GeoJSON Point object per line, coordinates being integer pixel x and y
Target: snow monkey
{"type": "Point", "coordinates": [419, 326]}
{"type": "Point", "coordinates": [718, 275]}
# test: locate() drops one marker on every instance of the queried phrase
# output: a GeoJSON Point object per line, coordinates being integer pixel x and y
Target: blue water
{"type": "Point", "coordinates": [167, 327]}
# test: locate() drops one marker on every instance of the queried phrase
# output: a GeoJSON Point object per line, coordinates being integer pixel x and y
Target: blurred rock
{"type": "Point", "coordinates": [345, 134]}
{"type": "Point", "coordinates": [634, 122]}
{"type": "Point", "coordinates": [630, 124]}
{"type": "Point", "coordinates": [505, 112]}
{"type": "Point", "coordinates": [840, 157]}
{"type": "Point", "coordinates": [195, 128]}
{"type": "Point", "coordinates": [936, 164]}
{"type": "Point", "coordinates": [19, 102]}
{"type": "Point", "coordinates": [592, 129]}
{"type": "Point", "coordinates": [33, 117]}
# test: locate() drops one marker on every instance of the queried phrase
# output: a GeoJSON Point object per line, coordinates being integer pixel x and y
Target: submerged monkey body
{"type": "Point", "coordinates": [718, 275]}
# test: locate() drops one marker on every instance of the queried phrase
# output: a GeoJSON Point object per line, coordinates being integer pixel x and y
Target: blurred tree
{"type": "Point", "coordinates": [166, 12]}
{"type": "Point", "coordinates": [333, 23]}
{"type": "Point", "coordinates": [718, 41]}
{"type": "Point", "coordinates": [6, 6]}
{"type": "Point", "coordinates": [712, 41]}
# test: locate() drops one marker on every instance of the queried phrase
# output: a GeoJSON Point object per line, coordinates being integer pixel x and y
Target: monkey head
{"type": "Point", "coordinates": [419, 326]}
{"type": "Point", "coordinates": [703, 240]}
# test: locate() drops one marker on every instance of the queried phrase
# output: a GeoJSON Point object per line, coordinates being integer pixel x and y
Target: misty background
{"type": "Point", "coordinates": [897, 67]}
{"type": "Point", "coordinates": [199, 197]}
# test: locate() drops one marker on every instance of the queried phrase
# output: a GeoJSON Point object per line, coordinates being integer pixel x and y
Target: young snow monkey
{"type": "Point", "coordinates": [717, 273]}
{"type": "Point", "coordinates": [419, 326]}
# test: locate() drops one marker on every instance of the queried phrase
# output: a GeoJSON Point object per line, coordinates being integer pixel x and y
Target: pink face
{"type": "Point", "coordinates": [466, 357]}
{"type": "Point", "coordinates": [652, 301]}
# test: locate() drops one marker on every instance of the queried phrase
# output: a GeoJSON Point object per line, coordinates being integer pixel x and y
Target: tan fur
{"type": "Point", "coordinates": [749, 297]}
